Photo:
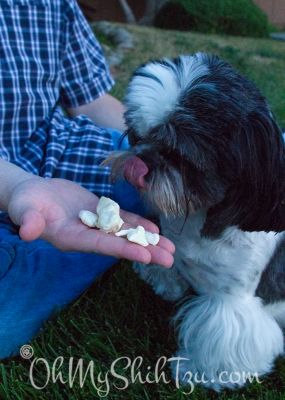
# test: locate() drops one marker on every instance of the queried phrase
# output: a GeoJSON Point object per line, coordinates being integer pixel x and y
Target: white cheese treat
{"type": "Point", "coordinates": [88, 218]}
{"type": "Point", "coordinates": [152, 238]}
{"type": "Point", "coordinates": [138, 236]}
{"type": "Point", "coordinates": [124, 232]}
{"type": "Point", "coordinates": [109, 215]}
{"type": "Point", "coordinates": [109, 220]}
{"type": "Point", "coordinates": [105, 202]}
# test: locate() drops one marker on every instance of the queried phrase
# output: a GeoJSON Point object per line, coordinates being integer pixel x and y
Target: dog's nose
{"type": "Point", "coordinates": [135, 170]}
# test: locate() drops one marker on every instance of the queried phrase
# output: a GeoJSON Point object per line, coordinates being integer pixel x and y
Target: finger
{"type": "Point", "coordinates": [122, 248]}
{"type": "Point", "coordinates": [163, 242]}
{"type": "Point", "coordinates": [136, 220]}
{"type": "Point", "coordinates": [166, 244]}
{"type": "Point", "coordinates": [94, 241]}
{"type": "Point", "coordinates": [160, 256]}
{"type": "Point", "coordinates": [32, 225]}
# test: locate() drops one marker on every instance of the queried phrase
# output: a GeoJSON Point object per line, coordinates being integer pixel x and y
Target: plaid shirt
{"type": "Point", "coordinates": [50, 58]}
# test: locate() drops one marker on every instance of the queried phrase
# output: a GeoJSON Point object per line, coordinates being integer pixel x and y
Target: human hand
{"type": "Point", "coordinates": [48, 209]}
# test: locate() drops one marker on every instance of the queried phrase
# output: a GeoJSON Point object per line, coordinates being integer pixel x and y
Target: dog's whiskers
{"type": "Point", "coordinates": [117, 160]}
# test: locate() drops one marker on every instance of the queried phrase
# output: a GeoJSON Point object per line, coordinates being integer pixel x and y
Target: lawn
{"type": "Point", "coordinates": [120, 316]}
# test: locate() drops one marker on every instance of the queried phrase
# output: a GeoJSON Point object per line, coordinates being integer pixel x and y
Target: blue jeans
{"type": "Point", "coordinates": [35, 277]}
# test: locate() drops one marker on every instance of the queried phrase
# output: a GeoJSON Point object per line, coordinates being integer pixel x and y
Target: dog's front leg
{"type": "Point", "coordinates": [167, 282]}
{"type": "Point", "coordinates": [170, 283]}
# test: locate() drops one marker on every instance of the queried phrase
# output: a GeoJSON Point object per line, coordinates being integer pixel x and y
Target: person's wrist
{"type": "Point", "coordinates": [10, 178]}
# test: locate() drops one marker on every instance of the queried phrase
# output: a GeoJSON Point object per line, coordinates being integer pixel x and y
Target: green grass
{"type": "Point", "coordinates": [120, 316]}
{"type": "Point", "coordinates": [103, 39]}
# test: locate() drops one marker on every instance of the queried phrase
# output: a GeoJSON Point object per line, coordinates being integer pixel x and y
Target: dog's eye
{"type": "Point", "coordinates": [132, 140]}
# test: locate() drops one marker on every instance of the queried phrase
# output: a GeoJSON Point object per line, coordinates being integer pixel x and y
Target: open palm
{"type": "Point", "coordinates": [49, 208]}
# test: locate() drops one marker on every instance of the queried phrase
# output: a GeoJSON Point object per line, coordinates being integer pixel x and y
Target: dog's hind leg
{"type": "Point", "coordinates": [167, 282]}
{"type": "Point", "coordinates": [224, 339]}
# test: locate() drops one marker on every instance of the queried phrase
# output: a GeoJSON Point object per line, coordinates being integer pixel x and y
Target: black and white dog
{"type": "Point", "coordinates": [207, 152]}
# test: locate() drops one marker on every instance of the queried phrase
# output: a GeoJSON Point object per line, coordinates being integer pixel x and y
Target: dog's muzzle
{"type": "Point", "coordinates": [135, 170]}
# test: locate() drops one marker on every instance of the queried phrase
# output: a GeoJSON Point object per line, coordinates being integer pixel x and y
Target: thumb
{"type": "Point", "coordinates": [32, 225]}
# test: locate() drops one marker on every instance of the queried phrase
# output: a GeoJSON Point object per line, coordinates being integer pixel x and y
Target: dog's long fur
{"type": "Point", "coordinates": [216, 173]}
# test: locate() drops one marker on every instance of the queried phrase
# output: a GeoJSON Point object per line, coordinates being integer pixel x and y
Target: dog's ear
{"type": "Point", "coordinates": [255, 199]}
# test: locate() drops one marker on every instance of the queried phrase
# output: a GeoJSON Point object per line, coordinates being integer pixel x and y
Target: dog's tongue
{"type": "Point", "coordinates": [135, 170]}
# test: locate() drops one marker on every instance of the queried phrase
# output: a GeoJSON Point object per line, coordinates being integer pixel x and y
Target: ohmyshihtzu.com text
{"type": "Point", "coordinates": [103, 384]}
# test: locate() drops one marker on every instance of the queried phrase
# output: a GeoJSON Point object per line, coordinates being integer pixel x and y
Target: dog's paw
{"type": "Point", "coordinates": [167, 282]}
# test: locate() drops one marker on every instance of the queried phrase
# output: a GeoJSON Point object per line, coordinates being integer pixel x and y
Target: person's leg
{"type": "Point", "coordinates": [35, 278]}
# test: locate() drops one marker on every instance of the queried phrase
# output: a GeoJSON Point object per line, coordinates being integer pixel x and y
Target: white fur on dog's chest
{"type": "Point", "coordinates": [232, 264]}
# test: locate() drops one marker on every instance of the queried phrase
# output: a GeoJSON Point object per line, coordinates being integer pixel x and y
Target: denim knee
{"type": "Point", "coordinates": [35, 279]}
